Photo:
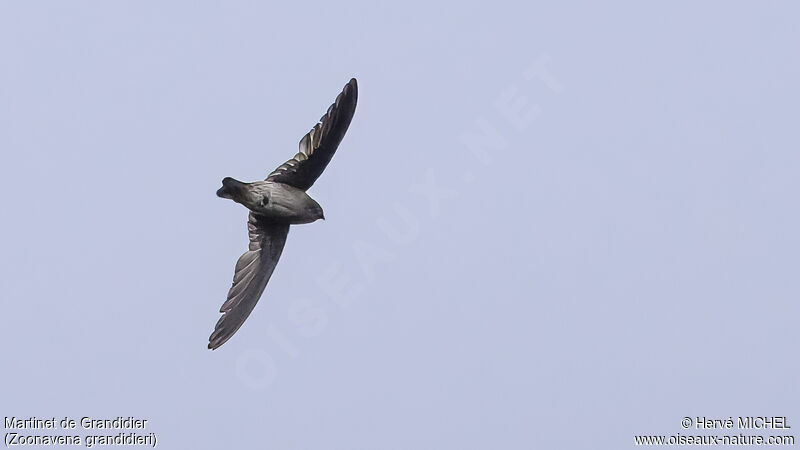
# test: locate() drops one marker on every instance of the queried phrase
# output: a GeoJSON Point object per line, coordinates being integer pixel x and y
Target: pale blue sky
{"type": "Point", "coordinates": [621, 251]}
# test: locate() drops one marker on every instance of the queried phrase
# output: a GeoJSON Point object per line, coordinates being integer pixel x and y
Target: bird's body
{"type": "Point", "coordinates": [276, 203]}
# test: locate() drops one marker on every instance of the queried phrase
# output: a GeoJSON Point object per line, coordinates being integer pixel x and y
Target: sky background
{"type": "Point", "coordinates": [549, 226]}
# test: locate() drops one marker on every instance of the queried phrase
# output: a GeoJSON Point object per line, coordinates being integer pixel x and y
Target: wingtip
{"type": "Point", "coordinates": [215, 343]}
{"type": "Point", "coordinates": [216, 339]}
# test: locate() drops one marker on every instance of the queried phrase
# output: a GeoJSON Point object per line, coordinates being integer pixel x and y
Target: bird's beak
{"type": "Point", "coordinates": [221, 192]}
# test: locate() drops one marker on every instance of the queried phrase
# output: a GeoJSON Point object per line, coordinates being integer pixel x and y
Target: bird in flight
{"type": "Point", "coordinates": [276, 203]}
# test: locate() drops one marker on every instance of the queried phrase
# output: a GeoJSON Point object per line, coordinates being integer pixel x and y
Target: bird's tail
{"type": "Point", "coordinates": [231, 188]}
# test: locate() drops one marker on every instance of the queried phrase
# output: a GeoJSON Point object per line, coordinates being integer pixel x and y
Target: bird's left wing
{"type": "Point", "coordinates": [253, 270]}
{"type": "Point", "coordinates": [318, 145]}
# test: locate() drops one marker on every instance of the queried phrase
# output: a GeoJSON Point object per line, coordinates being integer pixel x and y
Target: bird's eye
{"type": "Point", "coordinates": [264, 201]}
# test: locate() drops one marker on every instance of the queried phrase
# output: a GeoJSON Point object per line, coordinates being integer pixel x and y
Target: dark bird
{"type": "Point", "coordinates": [276, 203]}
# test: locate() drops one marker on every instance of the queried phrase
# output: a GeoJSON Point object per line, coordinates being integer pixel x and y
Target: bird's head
{"type": "Point", "coordinates": [315, 211]}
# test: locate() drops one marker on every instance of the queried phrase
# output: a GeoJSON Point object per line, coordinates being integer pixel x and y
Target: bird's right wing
{"type": "Point", "coordinates": [318, 145]}
{"type": "Point", "coordinates": [253, 270]}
